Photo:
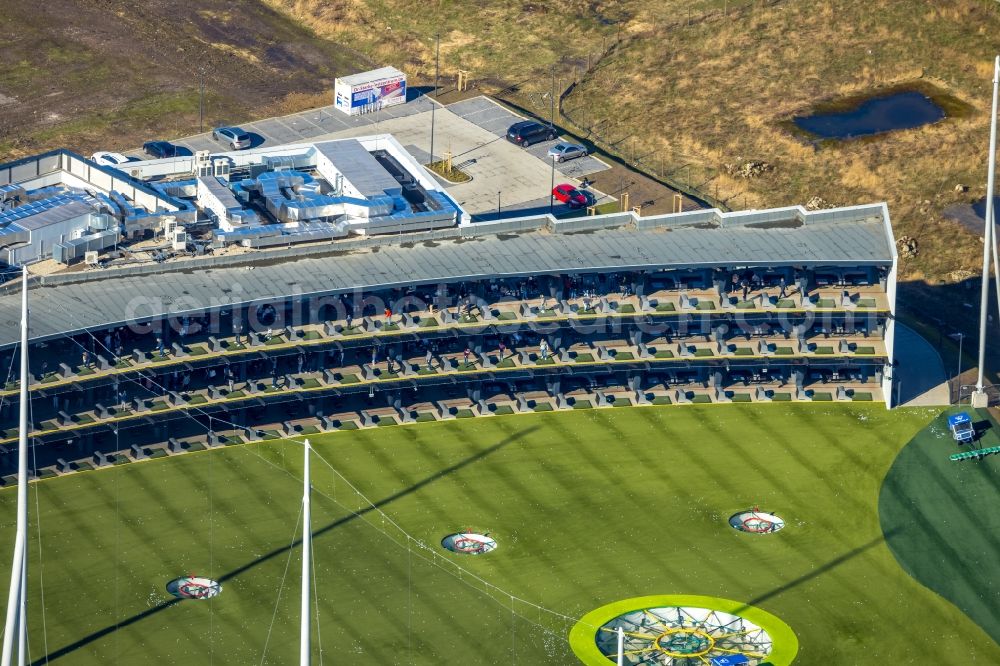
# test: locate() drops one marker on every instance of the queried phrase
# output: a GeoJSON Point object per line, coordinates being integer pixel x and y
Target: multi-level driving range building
{"type": "Point", "coordinates": [530, 314]}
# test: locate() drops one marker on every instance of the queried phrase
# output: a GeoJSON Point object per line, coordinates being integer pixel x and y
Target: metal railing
{"type": "Point", "coordinates": [965, 391]}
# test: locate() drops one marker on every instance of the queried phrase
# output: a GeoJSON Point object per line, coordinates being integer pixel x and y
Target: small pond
{"type": "Point", "coordinates": [902, 110]}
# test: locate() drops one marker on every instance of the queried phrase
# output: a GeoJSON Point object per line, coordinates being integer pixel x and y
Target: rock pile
{"type": "Point", "coordinates": [907, 246]}
{"type": "Point", "coordinates": [817, 203]}
{"type": "Point", "coordinates": [750, 169]}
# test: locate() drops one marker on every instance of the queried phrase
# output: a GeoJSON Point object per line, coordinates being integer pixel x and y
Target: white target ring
{"type": "Point", "coordinates": [194, 587]}
{"type": "Point", "coordinates": [469, 543]}
{"type": "Point", "coordinates": [756, 521]}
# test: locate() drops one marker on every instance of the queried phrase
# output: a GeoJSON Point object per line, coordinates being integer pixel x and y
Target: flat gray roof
{"type": "Point", "coordinates": [44, 213]}
{"type": "Point", "coordinates": [698, 239]}
{"type": "Point", "coordinates": [359, 167]}
{"type": "Point", "coordinates": [368, 77]}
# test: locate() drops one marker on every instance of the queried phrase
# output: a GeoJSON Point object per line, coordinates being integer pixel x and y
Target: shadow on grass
{"type": "Point", "coordinates": [819, 571]}
{"type": "Point", "coordinates": [101, 633]}
{"type": "Point", "coordinates": [946, 537]}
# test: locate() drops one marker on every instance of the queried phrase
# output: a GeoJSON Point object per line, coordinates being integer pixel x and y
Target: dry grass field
{"type": "Point", "coordinates": [722, 90]}
{"type": "Point", "coordinates": [688, 90]}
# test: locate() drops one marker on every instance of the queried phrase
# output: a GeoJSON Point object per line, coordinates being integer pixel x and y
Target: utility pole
{"type": "Point", "coordinates": [552, 126]}
{"type": "Point", "coordinates": [498, 204]}
{"type": "Point", "coordinates": [437, 71]}
{"type": "Point", "coordinates": [552, 102]}
{"type": "Point", "coordinates": [201, 99]}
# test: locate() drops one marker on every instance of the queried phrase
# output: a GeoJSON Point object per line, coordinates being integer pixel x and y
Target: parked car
{"type": "Point", "coordinates": [567, 151]}
{"type": "Point", "coordinates": [528, 132]}
{"type": "Point", "coordinates": [107, 158]}
{"type": "Point", "coordinates": [236, 138]}
{"type": "Point", "coordinates": [159, 149]}
{"type": "Point", "coordinates": [570, 196]}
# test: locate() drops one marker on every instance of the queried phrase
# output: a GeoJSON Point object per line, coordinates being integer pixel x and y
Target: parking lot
{"type": "Point", "coordinates": [496, 119]}
{"type": "Point", "coordinates": [308, 125]}
{"type": "Point", "coordinates": [506, 179]}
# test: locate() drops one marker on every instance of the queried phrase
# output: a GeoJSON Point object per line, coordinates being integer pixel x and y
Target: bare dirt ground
{"type": "Point", "coordinates": [90, 74]}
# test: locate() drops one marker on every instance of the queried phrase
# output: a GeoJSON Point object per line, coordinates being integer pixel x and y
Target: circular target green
{"type": "Point", "coordinates": [682, 630]}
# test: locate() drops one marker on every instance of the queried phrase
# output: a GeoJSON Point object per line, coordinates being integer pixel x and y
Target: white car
{"type": "Point", "coordinates": [567, 151]}
{"type": "Point", "coordinates": [106, 158]}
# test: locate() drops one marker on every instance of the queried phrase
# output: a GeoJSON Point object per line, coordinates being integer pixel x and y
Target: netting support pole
{"type": "Point", "coordinates": [621, 647]}
{"type": "Point", "coordinates": [979, 397]}
{"type": "Point", "coordinates": [15, 628]}
{"type": "Point", "coordinates": [306, 552]}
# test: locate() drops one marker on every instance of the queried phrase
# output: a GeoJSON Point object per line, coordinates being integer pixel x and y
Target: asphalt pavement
{"type": "Point", "coordinates": [472, 131]}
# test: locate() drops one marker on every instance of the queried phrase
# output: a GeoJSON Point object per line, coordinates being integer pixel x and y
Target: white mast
{"type": "Point", "coordinates": [306, 552]}
{"type": "Point", "coordinates": [16, 619]}
{"type": "Point", "coordinates": [979, 397]}
{"type": "Point", "coordinates": [996, 257]}
{"type": "Point", "coordinates": [621, 647]}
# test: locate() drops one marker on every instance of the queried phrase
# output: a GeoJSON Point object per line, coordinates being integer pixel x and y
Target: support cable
{"type": "Point", "coordinates": [41, 561]}
{"type": "Point", "coordinates": [281, 587]}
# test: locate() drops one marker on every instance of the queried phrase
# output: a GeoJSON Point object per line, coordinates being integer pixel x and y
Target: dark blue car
{"type": "Point", "coordinates": [159, 149]}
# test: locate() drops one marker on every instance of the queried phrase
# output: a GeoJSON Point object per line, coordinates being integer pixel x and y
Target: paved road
{"type": "Point", "coordinates": [309, 125]}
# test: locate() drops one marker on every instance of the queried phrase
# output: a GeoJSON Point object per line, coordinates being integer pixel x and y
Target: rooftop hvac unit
{"type": "Point", "coordinates": [90, 258]}
{"type": "Point", "coordinates": [168, 224]}
{"type": "Point", "coordinates": [179, 239]}
{"type": "Point", "coordinates": [220, 167]}
{"type": "Point", "coordinates": [202, 163]}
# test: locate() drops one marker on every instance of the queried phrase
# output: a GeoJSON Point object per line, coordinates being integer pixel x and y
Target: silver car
{"type": "Point", "coordinates": [567, 151]}
{"type": "Point", "coordinates": [234, 136]}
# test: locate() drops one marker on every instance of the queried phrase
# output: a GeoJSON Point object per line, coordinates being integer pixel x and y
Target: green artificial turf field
{"type": "Point", "coordinates": [941, 520]}
{"type": "Point", "coordinates": [588, 507]}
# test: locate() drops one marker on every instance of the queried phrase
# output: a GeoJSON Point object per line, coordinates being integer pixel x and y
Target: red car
{"type": "Point", "coordinates": [570, 196]}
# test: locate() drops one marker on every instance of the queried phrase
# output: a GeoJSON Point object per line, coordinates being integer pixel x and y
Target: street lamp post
{"type": "Point", "coordinates": [498, 204]}
{"type": "Point", "coordinates": [961, 337]}
{"type": "Point", "coordinates": [437, 70]}
{"type": "Point", "coordinates": [552, 184]}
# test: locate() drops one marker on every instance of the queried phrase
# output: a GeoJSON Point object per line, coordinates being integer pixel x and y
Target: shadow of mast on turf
{"type": "Point", "coordinates": [819, 571]}
{"type": "Point", "coordinates": [138, 617]}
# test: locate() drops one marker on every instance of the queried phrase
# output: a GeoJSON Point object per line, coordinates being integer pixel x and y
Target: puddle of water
{"type": "Point", "coordinates": [902, 110]}
{"type": "Point", "coordinates": [972, 216]}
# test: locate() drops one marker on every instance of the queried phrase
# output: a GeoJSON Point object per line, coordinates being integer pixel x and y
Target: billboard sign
{"type": "Point", "coordinates": [384, 92]}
